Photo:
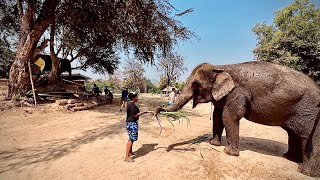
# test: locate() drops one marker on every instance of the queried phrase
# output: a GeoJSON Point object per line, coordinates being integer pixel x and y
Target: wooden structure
{"type": "Point", "coordinates": [71, 87]}
{"type": "Point", "coordinates": [75, 81]}
{"type": "Point", "coordinates": [166, 91]}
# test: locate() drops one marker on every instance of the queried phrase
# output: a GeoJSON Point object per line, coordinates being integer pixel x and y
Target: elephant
{"type": "Point", "coordinates": [263, 93]}
{"type": "Point", "coordinates": [64, 65]}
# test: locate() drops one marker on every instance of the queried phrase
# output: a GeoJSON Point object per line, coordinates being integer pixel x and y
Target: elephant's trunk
{"type": "Point", "coordinates": [180, 102]}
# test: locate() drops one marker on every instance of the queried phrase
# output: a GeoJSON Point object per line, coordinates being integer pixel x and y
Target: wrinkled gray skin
{"type": "Point", "coordinates": [264, 93]}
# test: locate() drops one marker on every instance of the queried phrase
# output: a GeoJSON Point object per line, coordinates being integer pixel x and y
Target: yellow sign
{"type": "Point", "coordinates": [41, 63]}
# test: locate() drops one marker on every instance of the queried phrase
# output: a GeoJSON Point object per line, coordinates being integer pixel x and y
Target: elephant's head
{"type": "Point", "coordinates": [206, 83]}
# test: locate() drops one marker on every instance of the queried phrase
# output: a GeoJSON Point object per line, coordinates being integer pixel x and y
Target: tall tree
{"type": "Point", "coordinates": [34, 19]}
{"type": "Point", "coordinates": [116, 79]}
{"type": "Point", "coordinates": [92, 31]}
{"type": "Point", "coordinates": [171, 67]}
{"type": "Point", "coordinates": [293, 39]}
{"type": "Point", "coordinates": [134, 74]}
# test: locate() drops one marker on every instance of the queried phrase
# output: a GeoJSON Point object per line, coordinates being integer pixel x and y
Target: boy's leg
{"type": "Point", "coordinates": [128, 154]}
{"type": "Point", "coordinates": [121, 105]}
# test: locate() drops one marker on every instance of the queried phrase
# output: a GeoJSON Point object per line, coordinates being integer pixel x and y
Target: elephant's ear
{"type": "Point", "coordinates": [222, 85]}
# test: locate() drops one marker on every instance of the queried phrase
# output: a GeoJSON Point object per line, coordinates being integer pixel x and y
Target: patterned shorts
{"type": "Point", "coordinates": [132, 128]}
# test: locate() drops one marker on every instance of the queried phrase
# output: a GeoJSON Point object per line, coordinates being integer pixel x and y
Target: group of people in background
{"type": "Point", "coordinates": [96, 91]}
{"type": "Point", "coordinates": [125, 98]}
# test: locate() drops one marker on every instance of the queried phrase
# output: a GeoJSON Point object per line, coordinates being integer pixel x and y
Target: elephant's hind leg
{"type": "Point", "coordinates": [311, 166]}
{"type": "Point", "coordinates": [217, 127]}
{"type": "Point", "coordinates": [300, 127]}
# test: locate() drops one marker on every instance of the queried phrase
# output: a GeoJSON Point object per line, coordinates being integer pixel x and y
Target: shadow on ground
{"type": "Point", "coordinates": [263, 146]}
{"type": "Point", "coordinates": [54, 149]}
{"type": "Point", "coordinates": [145, 149]}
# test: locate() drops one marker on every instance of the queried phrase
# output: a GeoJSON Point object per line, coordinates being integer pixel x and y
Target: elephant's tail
{"type": "Point", "coordinates": [309, 145]}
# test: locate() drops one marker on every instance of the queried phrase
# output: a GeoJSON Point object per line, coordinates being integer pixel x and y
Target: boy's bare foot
{"type": "Point", "coordinates": [128, 160]}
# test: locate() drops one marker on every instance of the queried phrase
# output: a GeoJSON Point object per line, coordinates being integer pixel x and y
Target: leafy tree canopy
{"type": "Point", "coordinates": [293, 39]}
{"type": "Point", "coordinates": [94, 31]}
{"type": "Point", "coordinates": [8, 35]}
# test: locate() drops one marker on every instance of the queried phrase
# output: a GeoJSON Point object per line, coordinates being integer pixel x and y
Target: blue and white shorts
{"type": "Point", "coordinates": [132, 128]}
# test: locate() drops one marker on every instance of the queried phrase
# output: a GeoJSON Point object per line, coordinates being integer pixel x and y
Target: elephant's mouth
{"type": "Point", "coordinates": [200, 99]}
{"type": "Point", "coordinates": [194, 102]}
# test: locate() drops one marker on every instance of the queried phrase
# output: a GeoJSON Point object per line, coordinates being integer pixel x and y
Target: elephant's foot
{"type": "Point", "coordinates": [231, 151]}
{"type": "Point", "coordinates": [293, 157]}
{"type": "Point", "coordinates": [215, 142]}
{"type": "Point", "coordinates": [313, 171]}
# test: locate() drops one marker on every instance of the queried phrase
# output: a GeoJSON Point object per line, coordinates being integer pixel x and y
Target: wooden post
{"type": "Point", "coordinates": [33, 92]}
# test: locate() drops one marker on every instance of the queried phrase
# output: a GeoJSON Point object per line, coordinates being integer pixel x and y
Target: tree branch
{"type": "Point", "coordinates": [80, 67]}
{"type": "Point", "coordinates": [19, 2]}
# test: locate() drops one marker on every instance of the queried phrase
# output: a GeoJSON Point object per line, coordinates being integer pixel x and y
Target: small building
{"type": "Point", "coordinates": [166, 91]}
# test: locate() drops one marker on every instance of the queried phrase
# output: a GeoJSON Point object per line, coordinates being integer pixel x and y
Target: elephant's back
{"type": "Point", "coordinates": [275, 90]}
{"type": "Point", "coordinates": [268, 77]}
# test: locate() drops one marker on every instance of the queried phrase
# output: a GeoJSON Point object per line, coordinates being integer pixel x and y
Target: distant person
{"type": "Point", "coordinates": [133, 114]}
{"type": "Point", "coordinates": [124, 96]}
{"type": "Point", "coordinates": [106, 91]}
{"type": "Point", "coordinates": [172, 97]}
{"type": "Point", "coordinates": [108, 94]}
{"type": "Point", "coordinates": [96, 90]}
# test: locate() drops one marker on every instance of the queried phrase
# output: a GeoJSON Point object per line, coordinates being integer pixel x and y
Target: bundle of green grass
{"type": "Point", "coordinates": [175, 115]}
{"type": "Point", "coordinates": [178, 115]}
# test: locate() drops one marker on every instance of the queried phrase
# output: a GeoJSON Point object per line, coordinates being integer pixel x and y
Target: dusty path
{"type": "Point", "coordinates": [48, 143]}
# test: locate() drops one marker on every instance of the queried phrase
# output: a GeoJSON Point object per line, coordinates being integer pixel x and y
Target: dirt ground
{"type": "Point", "coordinates": [51, 143]}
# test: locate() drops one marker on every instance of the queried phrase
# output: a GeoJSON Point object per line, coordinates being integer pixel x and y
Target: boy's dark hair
{"type": "Point", "coordinates": [173, 89]}
{"type": "Point", "coordinates": [132, 96]}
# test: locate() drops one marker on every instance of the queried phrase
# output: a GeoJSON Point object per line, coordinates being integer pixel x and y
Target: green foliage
{"type": "Point", "coordinates": [155, 90]}
{"type": "Point", "coordinates": [163, 82]}
{"type": "Point", "coordinates": [101, 85]}
{"type": "Point", "coordinates": [8, 34]}
{"type": "Point", "coordinates": [9, 23]}
{"type": "Point", "coordinates": [180, 85]}
{"type": "Point", "coordinates": [293, 39]}
{"type": "Point", "coordinates": [152, 88]}
{"type": "Point", "coordinates": [6, 58]}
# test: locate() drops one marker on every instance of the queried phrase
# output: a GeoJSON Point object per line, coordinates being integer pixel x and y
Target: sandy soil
{"type": "Point", "coordinates": [50, 143]}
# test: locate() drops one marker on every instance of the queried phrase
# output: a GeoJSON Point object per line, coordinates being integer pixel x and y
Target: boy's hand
{"type": "Point", "coordinates": [147, 112]}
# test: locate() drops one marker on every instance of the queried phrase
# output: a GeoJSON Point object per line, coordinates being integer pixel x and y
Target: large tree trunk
{"type": "Point", "coordinates": [19, 80]}
{"type": "Point", "coordinates": [31, 32]}
{"type": "Point", "coordinates": [55, 65]}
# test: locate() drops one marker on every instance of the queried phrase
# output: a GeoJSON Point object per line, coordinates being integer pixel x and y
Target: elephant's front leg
{"type": "Point", "coordinates": [233, 111]}
{"type": "Point", "coordinates": [217, 127]}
